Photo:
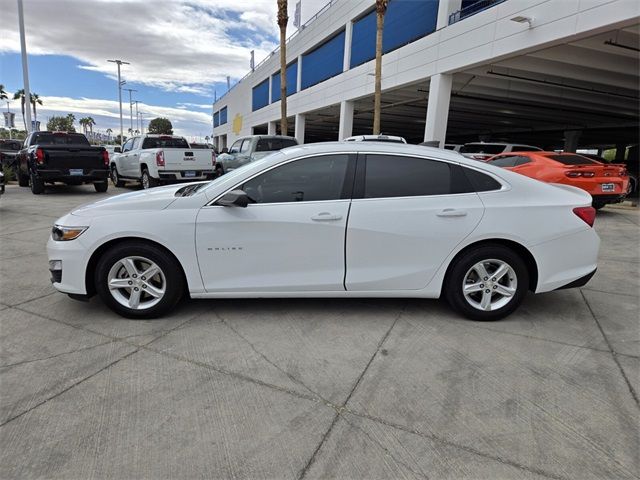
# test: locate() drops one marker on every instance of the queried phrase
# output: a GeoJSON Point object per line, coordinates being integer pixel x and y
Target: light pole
{"type": "Point", "coordinates": [130, 90]}
{"type": "Point", "coordinates": [25, 68]}
{"type": "Point", "coordinates": [120, 83]}
{"type": "Point", "coordinates": [137, 117]}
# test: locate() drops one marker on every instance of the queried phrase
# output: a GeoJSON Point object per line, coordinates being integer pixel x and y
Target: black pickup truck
{"type": "Point", "coordinates": [49, 157]}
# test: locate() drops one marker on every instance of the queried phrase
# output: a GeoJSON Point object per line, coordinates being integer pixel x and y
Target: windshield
{"type": "Point", "coordinates": [164, 142]}
{"type": "Point", "coordinates": [59, 139]}
{"type": "Point", "coordinates": [482, 148]}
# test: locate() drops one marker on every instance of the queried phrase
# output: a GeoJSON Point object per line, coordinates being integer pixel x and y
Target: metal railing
{"type": "Point", "coordinates": [472, 9]}
{"type": "Point", "coordinates": [277, 49]}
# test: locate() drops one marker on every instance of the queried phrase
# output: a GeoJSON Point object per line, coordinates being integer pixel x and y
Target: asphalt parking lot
{"type": "Point", "coordinates": [315, 388]}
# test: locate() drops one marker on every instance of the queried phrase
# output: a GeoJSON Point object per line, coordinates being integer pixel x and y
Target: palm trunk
{"type": "Point", "coordinates": [283, 80]}
{"type": "Point", "coordinates": [377, 97]}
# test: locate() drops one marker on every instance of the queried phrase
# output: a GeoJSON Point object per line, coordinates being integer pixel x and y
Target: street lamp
{"type": "Point", "coordinates": [130, 90]}
{"type": "Point", "coordinates": [120, 83]}
{"type": "Point", "coordinates": [25, 67]}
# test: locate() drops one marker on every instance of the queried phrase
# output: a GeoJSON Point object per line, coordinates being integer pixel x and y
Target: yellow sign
{"type": "Point", "coordinates": [237, 124]}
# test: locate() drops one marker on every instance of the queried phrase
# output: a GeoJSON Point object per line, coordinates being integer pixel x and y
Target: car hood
{"type": "Point", "coordinates": [157, 198]}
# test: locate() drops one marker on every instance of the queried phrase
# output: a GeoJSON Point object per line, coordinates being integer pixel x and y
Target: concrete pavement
{"type": "Point", "coordinates": [315, 388]}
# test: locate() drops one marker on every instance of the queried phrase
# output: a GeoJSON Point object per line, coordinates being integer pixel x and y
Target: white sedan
{"type": "Point", "coordinates": [349, 219]}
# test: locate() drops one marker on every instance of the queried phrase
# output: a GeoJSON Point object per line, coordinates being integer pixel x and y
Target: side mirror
{"type": "Point", "coordinates": [235, 198]}
{"type": "Point", "coordinates": [117, 150]}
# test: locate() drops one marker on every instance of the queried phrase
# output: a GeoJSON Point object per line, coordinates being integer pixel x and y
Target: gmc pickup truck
{"type": "Point", "coordinates": [249, 149]}
{"type": "Point", "coordinates": [49, 157]}
{"type": "Point", "coordinates": [156, 159]}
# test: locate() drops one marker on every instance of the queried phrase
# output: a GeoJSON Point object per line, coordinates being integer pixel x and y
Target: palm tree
{"type": "Point", "coordinates": [206, 139]}
{"type": "Point", "coordinates": [90, 123]}
{"type": "Point", "coordinates": [283, 19]}
{"type": "Point", "coordinates": [381, 9]}
{"type": "Point", "coordinates": [84, 121]}
{"type": "Point", "coordinates": [35, 99]}
{"type": "Point", "coordinates": [109, 132]}
{"type": "Point", "coordinates": [19, 95]}
{"type": "Point", "coordinates": [3, 94]}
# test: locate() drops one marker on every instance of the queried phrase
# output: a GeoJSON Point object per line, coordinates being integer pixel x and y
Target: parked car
{"type": "Point", "coordinates": [112, 149]}
{"type": "Point", "coordinates": [333, 220]}
{"type": "Point", "coordinates": [483, 151]}
{"type": "Point", "coordinates": [453, 146]}
{"type": "Point", "coordinates": [49, 157]}
{"type": "Point", "coordinates": [607, 183]}
{"type": "Point", "coordinates": [249, 149]}
{"type": "Point", "coordinates": [375, 138]}
{"type": "Point", "coordinates": [155, 159]}
{"type": "Point", "coordinates": [8, 152]}
{"type": "Point", "coordinates": [633, 180]}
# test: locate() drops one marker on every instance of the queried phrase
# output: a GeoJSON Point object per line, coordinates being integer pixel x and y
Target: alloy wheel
{"type": "Point", "coordinates": [490, 285]}
{"type": "Point", "coordinates": [136, 283]}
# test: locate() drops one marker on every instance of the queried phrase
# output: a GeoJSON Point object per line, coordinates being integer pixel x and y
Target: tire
{"type": "Point", "coordinates": [23, 180]}
{"type": "Point", "coordinates": [115, 178]}
{"type": "Point", "coordinates": [169, 280]}
{"type": "Point", "coordinates": [147, 180]}
{"type": "Point", "coordinates": [598, 205]}
{"type": "Point", "coordinates": [462, 272]}
{"type": "Point", "coordinates": [219, 170]}
{"type": "Point", "coordinates": [37, 184]}
{"type": "Point", "coordinates": [101, 187]}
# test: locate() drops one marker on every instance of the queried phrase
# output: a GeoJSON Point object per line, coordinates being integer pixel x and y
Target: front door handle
{"type": "Point", "coordinates": [326, 217]}
{"type": "Point", "coordinates": [452, 212]}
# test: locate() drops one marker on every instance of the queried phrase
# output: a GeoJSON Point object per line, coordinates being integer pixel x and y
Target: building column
{"type": "Point", "coordinates": [299, 128]}
{"type": "Point", "coordinates": [348, 29]}
{"type": "Point", "coordinates": [571, 138]}
{"type": "Point", "coordinates": [271, 128]}
{"type": "Point", "coordinates": [438, 108]}
{"type": "Point", "coordinates": [346, 119]}
{"type": "Point", "coordinates": [446, 8]}
{"type": "Point", "coordinates": [299, 76]}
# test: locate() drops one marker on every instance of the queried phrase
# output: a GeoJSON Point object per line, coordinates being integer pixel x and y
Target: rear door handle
{"type": "Point", "coordinates": [326, 217]}
{"type": "Point", "coordinates": [452, 212]}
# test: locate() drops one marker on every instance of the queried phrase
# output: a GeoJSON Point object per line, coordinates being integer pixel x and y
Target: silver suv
{"type": "Point", "coordinates": [483, 151]}
{"type": "Point", "coordinates": [249, 149]}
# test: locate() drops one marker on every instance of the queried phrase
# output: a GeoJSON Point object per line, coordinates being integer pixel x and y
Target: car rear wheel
{"type": "Point", "coordinates": [487, 283]}
{"type": "Point", "coordinates": [139, 280]}
{"type": "Point", "coordinates": [101, 186]}
{"type": "Point", "coordinates": [36, 184]}
{"type": "Point", "coordinates": [23, 180]}
{"type": "Point", "coordinates": [115, 178]}
{"type": "Point", "coordinates": [147, 180]}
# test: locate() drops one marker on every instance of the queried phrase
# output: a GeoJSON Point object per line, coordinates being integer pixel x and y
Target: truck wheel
{"type": "Point", "coordinates": [219, 171]}
{"type": "Point", "coordinates": [101, 187]}
{"type": "Point", "coordinates": [147, 180]}
{"type": "Point", "coordinates": [37, 184]}
{"type": "Point", "coordinates": [115, 178]}
{"type": "Point", "coordinates": [23, 180]}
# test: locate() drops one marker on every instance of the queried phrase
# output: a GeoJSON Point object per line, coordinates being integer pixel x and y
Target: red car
{"type": "Point", "coordinates": [606, 182]}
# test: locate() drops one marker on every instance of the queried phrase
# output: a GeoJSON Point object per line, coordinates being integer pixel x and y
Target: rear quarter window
{"type": "Point", "coordinates": [481, 182]}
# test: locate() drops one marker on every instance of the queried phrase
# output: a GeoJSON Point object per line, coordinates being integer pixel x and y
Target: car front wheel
{"type": "Point", "coordinates": [139, 280]}
{"type": "Point", "coordinates": [487, 283]}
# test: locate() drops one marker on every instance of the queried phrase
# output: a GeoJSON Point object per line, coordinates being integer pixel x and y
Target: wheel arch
{"type": "Point", "coordinates": [89, 276]}
{"type": "Point", "coordinates": [521, 250]}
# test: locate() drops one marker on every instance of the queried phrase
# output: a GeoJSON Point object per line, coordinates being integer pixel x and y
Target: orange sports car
{"type": "Point", "coordinates": [606, 182]}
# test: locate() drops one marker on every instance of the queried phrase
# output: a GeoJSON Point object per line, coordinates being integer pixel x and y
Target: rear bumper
{"type": "Point", "coordinates": [610, 198]}
{"type": "Point", "coordinates": [179, 175]}
{"type": "Point", "coordinates": [65, 176]}
{"type": "Point", "coordinates": [580, 282]}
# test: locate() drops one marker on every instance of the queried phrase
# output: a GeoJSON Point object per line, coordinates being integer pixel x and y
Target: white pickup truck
{"type": "Point", "coordinates": [155, 159]}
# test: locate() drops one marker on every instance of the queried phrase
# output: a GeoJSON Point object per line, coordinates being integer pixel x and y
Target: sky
{"type": "Point", "coordinates": [180, 53]}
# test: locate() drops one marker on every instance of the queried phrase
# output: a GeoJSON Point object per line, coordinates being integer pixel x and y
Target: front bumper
{"type": "Point", "coordinates": [70, 278]}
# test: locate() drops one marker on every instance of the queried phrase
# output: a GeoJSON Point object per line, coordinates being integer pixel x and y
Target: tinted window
{"type": "Point", "coordinates": [520, 160]}
{"type": "Point", "coordinates": [127, 146]}
{"type": "Point", "coordinates": [504, 161]}
{"type": "Point", "coordinates": [164, 142]}
{"type": "Point", "coordinates": [572, 159]}
{"type": "Point", "coordinates": [235, 148]}
{"type": "Point", "coordinates": [273, 144]}
{"type": "Point", "coordinates": [246, 146]}
{"type": "Point", "coordinates": [524, 148]}
{"type": "Point", "coordinates": [307, 180]}
{"type": "Point", "coordinates": [391, 176]}
{"type": "Point", "coordinates": [481, 182]}
{"type": "Point", "coordinates": [59, 139]}
{"type": "Point", "coordinates": [482, 148]}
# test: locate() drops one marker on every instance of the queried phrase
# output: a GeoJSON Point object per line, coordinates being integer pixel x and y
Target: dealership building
{"type": "Point", "coordinates": [551, 73]}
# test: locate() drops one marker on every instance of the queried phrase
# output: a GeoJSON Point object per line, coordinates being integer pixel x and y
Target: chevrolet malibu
{"type": "Point", "coordinates": [359, 219]}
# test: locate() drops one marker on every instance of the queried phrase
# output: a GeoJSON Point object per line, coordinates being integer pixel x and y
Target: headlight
{"type": "Point", "coordinates": [64, 234]}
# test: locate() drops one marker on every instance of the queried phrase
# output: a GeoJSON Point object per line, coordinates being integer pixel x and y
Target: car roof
{"type": "Point", "coordinates": [260, 137]}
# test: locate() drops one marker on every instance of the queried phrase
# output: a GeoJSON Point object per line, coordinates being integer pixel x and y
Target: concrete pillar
{"type": "Point", "coordinates": [438, 108]}
{"type": "Point", "coordinates": [446, 8]}
{"type": "Point", "coordinates": [299, 128]}
{"type": "Point", "coordinates": [270, 88]}
{"type": "Point", "coordinates": [621, 149]}
{"type": "Point", "coordinates": [299, 79]}
{"type": "Point", "coordinates": [271, 128]}
{"type": "Point", "coordinates": [571, 138]}
{"type": "Point", "coordinates": [346, 119]}
{"type": "Point", "coordinates": [348, 29]}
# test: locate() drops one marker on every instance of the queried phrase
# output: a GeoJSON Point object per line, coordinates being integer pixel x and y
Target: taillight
{"type": "Point", "coordinates": [105, 158]}
{"type": "Point", "coordinates": [587, 214]}
{"type": "Point", "coordinates": [213, 158]}
{"type": "Point", "coordinates": [39, 156]}
{"type": "Point", "coordinates": [573, 174]}
{"type": "Point", "coordinates": [623, 172]}
{"type": "Point", "coordinates": [160, 158]}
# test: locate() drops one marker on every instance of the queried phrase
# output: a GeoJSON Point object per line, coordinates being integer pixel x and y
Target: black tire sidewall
{"type": "Point", "coordinates": [462, 264]}
{"type": "Point", "coordinates": [101, 187]}
{"type": "Point", "coordinates": [169, 265]}
{"type": "Point", "coordinates": [36, 184]}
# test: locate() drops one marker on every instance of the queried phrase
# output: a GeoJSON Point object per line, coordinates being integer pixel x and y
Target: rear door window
{"type": "Point", "coordinates": [273, 144]}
